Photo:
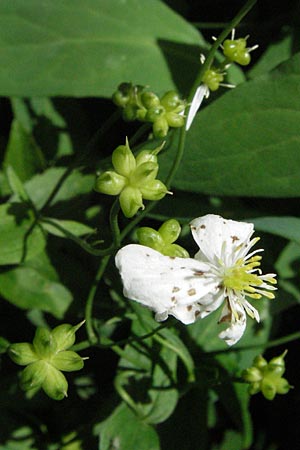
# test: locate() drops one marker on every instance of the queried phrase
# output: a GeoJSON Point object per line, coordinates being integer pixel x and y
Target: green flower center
{"type": "Point", "coordinates": [238, 277]}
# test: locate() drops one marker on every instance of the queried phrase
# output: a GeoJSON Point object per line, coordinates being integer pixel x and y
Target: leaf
{"type": "Point", "coordinates": [71, 226]}
{"type": "Point", "coordinates": [87, 47]}
{"type": "Point", "coordinates": [35, 285]}
{"type": "Point", "coordinates": [123, 430]}
{"type": "Point", "coordinates": [19, 237]}
{"type": "Point", "coordinates": [16, 184]}
{"type": "Point", "coordinates": [286, 227]}
{"type": "Point", "coordinates": [247, 142]}
{"type": "Point", "coordinates": [22, 153]}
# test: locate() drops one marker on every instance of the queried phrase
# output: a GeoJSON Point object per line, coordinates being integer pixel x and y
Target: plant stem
{"type": "Point", "coordinates": [114, 224]}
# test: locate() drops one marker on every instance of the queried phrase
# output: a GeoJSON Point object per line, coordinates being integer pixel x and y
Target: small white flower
{"type": "Point", "coordinates": [222, 272]}
{"type": "Point", "coordinates": [201, 92]}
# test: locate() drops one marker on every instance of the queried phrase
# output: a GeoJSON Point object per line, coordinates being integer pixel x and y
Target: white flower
{"type": "Point", "coordinates": [222, 272]}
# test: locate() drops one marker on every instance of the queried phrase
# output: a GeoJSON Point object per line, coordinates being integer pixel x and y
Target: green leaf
{"type": "Point", "coordinates": [56, 227]}
{"type": "Point", "coordinates": [22, 153]}
{"type": "Point", "coordinates": [19, 237]}
{"type": "Point", "coordinates": [16, 184]}
{"type": "Point", "coordinates": [35, 285]}
{"type": "Point", "coordinates": [87, 47]}
{"type": "Point", "coordinates": [286, 227]}
{"type": "Point", "coordinates": [247, 142]}
{"type": "Point", "coordinates": [124, 431]}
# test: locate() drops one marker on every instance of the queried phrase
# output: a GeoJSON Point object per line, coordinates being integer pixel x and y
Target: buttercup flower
{"type": "Point", "coordinates": [223, 272]}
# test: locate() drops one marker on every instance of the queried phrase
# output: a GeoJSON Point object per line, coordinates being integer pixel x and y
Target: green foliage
{"type": "Point", "coordinates": [146, 385]}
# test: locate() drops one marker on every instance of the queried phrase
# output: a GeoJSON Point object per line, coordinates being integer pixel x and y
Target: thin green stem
{"type": "Point", "coordinates": [114, 224]}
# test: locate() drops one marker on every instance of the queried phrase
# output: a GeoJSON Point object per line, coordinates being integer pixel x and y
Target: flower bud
{"type": "Point", "coordinates": [146, 156]}
{"type": "Point", "coordinates": [154, 190]}
{"type": "Point", "coordinates": [236, 51]}
{"type": "Point", "coordinates": [130, 112]}
{"type": "Point", "coordinates": [43, 343]}
{"type": "Point", "coordinates": [160, 127]}
{"type": "Point", "coordinates": [170, 100]}
{"type": "Point", "coordinates": [120, 99]}
{"type": "Point", "coordinates": [150, 238]}
{"type": "Point", "coordinates": [268, 389]}
{"type": "Point", "coordinates": [175, 120]}
{"type": "Point", "coordinates": [212, 78]}
{"type": "Point", "coordinates": [110, 183]}
{"type": "Point", "coordinates": [130, 201]}
{"type": "Point", "coordinates": [123, 160]}
{"type": "Point", "coordinates": [149, 100]}
{"type": "Point", "coordinates": [155, 113]}
{"type": "Point", "coordinates": [67, 361]}
{"type": "Point", "coordinates": [260, 362]}
{"type": "Point", "coordinates": [170, 231]}
{"type": "Point", "coordinates": [55, 384]}
{"type": "Point", "coordinates": [282, 386]}
{"type": "Point", "coordinates": [22, 354]}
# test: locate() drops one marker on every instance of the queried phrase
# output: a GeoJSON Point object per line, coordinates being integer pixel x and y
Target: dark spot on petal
{"type": "Point", "coordinates": [147, 254]}
{"type": "Point", "coordinates": [183, 268]}
{"type": "Point", "coordinates": [202, 226]}
{"type": "Point", "coordinates": [226, 318]}
{"type": "Point", "coordinates": [234, 238]}
{"type": "Point", "coordinates": [193, 227]}
{"type": "Point", "coordinates": [175, 289]}
{"type": "Point", "coordinates": [173, 299]}
{"type": "Point", "coordinates": [197, 313]}
{"type": "Point", "coordinates": [198, 273]}
{"type": "Point", "coordinates": [191, 291]}
{"type": "Point", "coordinates": [172, 257]}
{"type": "Point", "coordinates": [189, 307]}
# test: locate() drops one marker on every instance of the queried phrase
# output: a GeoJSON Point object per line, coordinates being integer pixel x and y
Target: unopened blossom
{"type": "Point", "coordinates": [224, 272]}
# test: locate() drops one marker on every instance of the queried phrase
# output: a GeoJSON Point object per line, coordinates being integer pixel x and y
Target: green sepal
{"type": "Point", "coordinates": [260, 362]}
{"type": "Point", "coordinates": [175, 251]}
{"type": "Point", "coordinates": [67, 361]}
{"type": "Point", "coordinates": [154, 190]}
{"type": "Point", "coordinates": [130, 201]}
{"type": "Point", "coordinates": [43, 343]}
{"type": "Point", "coordinates": [150, 238]}
{"type": "Point", "coordinates": [282, 386]}
{"type": "Point", "coordinates": [144, 173]}
{"type": "Point", "coordinates": [33, 376]}
{"type": "Point", "coordinates": [174, 119]}
{"type": "Point", "coordinates": [22, 353]}
{"type": "Point", "coordinates": [252, 375]}
{"type": "Point", "coordinates": [268, 388]}
{"type": "Point", "coordinates": [149, 100]}
{"type": "Point", "coordinates": [55, 384]}
{"type": "Point", "coordinates": [123, 160]}
{"type": "Point", "coordinates": [64, 335]}
{"type": "Point", "coordinates": [110, 183]}
{"type": "Point", "coordinates": [170, 231]}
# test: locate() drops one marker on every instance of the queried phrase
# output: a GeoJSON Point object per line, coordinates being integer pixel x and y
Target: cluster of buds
{"type": "Point", "coordinates": [46, 358]}
{"type": "Point", "coordinates": [139, 104]}
{"type": "Point", "coordinates": [163, 239]}
{"type": "Point", "coordinates": [133, 179]}
{"type": "Point", "coordinates": [235, 51]}
{"type": "Point", "coordinates": [267, 377]}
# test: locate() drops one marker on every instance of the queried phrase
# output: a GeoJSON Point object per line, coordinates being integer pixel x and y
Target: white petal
{"type": "Point", "coordinates": [220, 239]}
{"type": "Point", "coordinates": [201, 92]}
{"type": "Point", "coordinates": [236, 330]}
{"type": "Point", "coordinates": [161, 282]}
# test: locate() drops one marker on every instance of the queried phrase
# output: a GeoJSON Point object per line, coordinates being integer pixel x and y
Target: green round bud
{"type": "Point", "coordinates": [67, 361]}
{"type": "Point", "coordinates": [143, 174]}
{"type": "Point", "coordinates": [123, 160]}
{"type": "Point", "coordinates": [146, 156]}
{"type": "Point", "coordinates": [149, 100]}
{"type": "Point", "coordinates": [33, 376]}
{"type": "Point", "coordinates": [175, 120]}
{"type": "Point", "coordinates": [170, 100]}
{"type": "Point", "coordinates": [150, 238]}
{"type": "Point", "coordinates": [170, 231]}
{"type": "Point", "coordinates": [252, 375]}
{"type": "Point", "coordinates": [22, 353]}
{"type": "Point", "coordinates": [212, 78]}
{"type": "Point", "coordinates": [236, 51]}
{"type": "Point", "coordinates": [55, 384]}
{"type": "Point", "coordinates": [154, 190]}
{"type": "Point", "coordinates": [110, 183]}
{"type": "Point", "coordinates": [119, 99]}
{"type": "Point", "coordinates": [141, 114]}
{"type": "Point", "coordinates": [130, 201]}
{"type": "Point", "coordinates": [130, 112]}
{"type": "Point", "coordinates": [43, 343]}
{"type": "Point", "coordinates": [175, 250]}
{"type": "Point", "coordinates": [160, 128]}
{"type": "Point", "coordinates": [154, 113]}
